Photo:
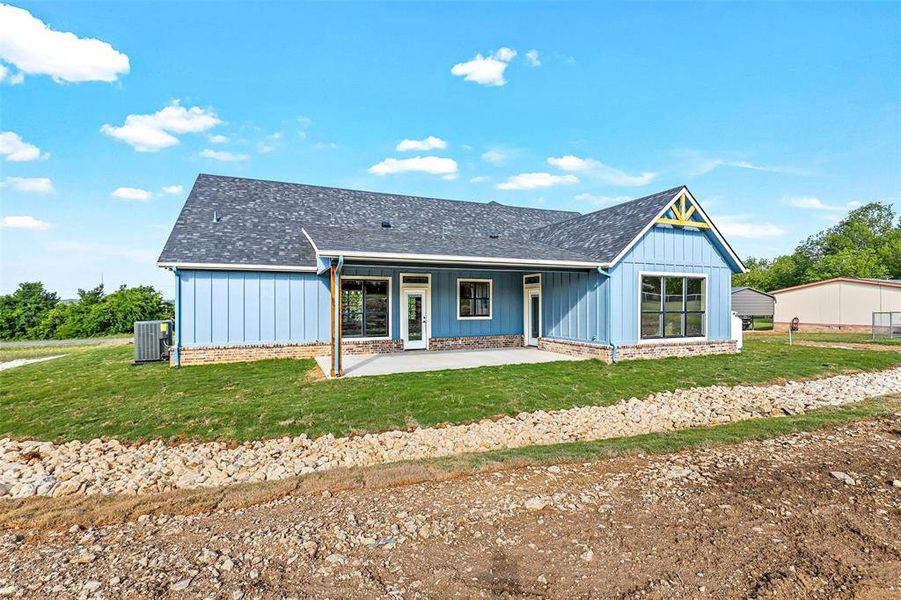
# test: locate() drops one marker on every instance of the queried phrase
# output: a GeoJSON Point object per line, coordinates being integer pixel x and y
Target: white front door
{"type": "Point", "coordinates": [533, 316]}
{"type": "Point", "coordinates": [414, 326]}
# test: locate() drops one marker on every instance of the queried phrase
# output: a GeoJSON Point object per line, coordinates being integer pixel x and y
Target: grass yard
{"type": "Point", "coordinates": [846, 337]}
{"type": "Point", "coordinates": [96, 392]}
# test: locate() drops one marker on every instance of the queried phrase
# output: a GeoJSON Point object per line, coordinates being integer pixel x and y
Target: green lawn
{"type": "Point", "coordinates": [841, 336]}
{"type": "Point", "coordinates": [96, 391]}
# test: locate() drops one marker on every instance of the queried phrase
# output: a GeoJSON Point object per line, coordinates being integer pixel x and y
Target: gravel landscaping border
{"type": "Point", "coordinates": [30, 468]}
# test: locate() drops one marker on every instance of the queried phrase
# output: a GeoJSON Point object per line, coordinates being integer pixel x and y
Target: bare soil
{"type": "Point", "coordinates": [757, 519]}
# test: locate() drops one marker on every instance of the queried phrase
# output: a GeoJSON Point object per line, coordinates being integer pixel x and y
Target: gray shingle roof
{"type": "Point", "coordinates": [400, 241]}
{"type": "Point", "coordinates": [603, 234]}
{"type": "Point", "coordinates": [262, 222]}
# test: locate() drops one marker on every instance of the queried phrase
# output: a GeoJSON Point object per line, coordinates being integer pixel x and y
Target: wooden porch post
{"type": "Point", "coordinates": [337, 368]}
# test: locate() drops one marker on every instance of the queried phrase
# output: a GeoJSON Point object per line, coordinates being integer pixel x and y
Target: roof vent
{"type": "Point", "coordinates": [386, 224]}
{"type": "Point", "coordinates": [216, 217]}
{"type": "Point", "coordinates": [493, 236]}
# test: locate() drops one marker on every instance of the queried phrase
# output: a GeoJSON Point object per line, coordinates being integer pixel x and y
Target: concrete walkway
{"type": "Point", "coordinates": [423, 360]}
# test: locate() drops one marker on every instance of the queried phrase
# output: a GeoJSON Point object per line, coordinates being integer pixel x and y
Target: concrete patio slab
{"type": "Point", "coordinates": [424, 360]}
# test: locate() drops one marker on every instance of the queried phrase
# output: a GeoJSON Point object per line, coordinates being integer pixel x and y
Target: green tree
{"type": "Point", "coordinates": [24, 309]}
{"type": "Point", "coordinates": [849, 262]}
{"type": "Point", "coordinates": [866, 243]}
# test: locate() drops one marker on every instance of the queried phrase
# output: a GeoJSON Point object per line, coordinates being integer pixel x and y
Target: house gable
{"type": "Point", "coordinates": [684, 212]}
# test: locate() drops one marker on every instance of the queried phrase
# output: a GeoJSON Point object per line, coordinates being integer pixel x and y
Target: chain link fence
{"type": "Point", "coordinates": [887, 325]}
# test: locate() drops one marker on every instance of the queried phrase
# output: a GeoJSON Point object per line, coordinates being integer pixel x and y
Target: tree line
{"type": "Point", "coordinates": [866, 243]}
{"type": "Point", "coordinates": [34, 313]}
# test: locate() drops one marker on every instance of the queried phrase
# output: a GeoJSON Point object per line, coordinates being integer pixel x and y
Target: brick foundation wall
{"type": "Point", "coordinates": [677, 349]}
{"type": "Point", "coordinates": [573, 348]}
{"type": "Point", "coordinates": [476, 342]}
{"type": "Point", "coordinates": [637, 351]}
{"type": "Point", "coordinates": [204, 355]}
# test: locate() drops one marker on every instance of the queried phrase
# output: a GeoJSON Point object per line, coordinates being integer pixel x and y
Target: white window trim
{"type": "Point", "coordinates": [527, 288]}
{"type": "Point", "coordinates": [490, 283]}
{"type": "Point", "coordinates": [677, 340]}
{"type": "Point", "coordinates": [390, 308]}
{"type": "Point", "coordinates": [427, 299]}
{"type": "Point", "coordinates": [527, 285]}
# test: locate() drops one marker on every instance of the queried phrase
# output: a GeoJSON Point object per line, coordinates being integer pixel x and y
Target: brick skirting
{"type": "Point", "coordinates": [476, 342]}
{"type": "Point", "coordinates": [676, 349]}
{"type": "Point", "coordinates": [637, 351]}
{"type": "Point", "coordinates": [204, 355]}
{"type": "Point", "coordinates": [573, 348]}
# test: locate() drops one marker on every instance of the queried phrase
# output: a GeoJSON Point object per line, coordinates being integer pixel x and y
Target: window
{"type": "Point", "coordinates": [474, 298]}
{"type": "Point", "coordinates": [364, 307]}
{"type": "Point", "coordinates": [415, 279]}
{"type": "Point", "coordinates": [531, 280]}
{"type": "Point", "coordinates": [672, 306]}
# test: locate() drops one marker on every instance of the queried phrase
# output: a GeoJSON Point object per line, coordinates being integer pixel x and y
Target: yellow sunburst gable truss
{"type": "Point", "coordinates": [684, 213]}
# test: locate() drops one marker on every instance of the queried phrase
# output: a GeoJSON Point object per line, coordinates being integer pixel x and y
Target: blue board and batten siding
{"type": "Point", "coordinates": [245, 307]}
{"type": "Point", "coordinates": [507, 301]}
{"type": "Point", "coordinates": [664, 249]}
{"type": "Point", "coordinates": [574, 306]}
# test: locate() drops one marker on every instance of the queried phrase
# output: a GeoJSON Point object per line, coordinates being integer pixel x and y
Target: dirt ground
{"type": "Point", "coordinates": [758, 519]}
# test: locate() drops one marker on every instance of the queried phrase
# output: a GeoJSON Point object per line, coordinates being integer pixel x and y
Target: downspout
{"type": "Point", "coordinates": [177, 347]}
{"type": "Point", "coordinates": [336, 350]}
{"type": "Point", "coordinates": [609, 317]}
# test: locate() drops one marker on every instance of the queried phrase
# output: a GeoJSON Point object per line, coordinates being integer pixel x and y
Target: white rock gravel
{"type": "Point", "coordinates": [34, 468]}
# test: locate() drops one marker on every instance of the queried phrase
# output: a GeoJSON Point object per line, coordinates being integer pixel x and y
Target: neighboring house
{"type": "Point", "coordinates": [266, 269]}
{"type": "Point", "coordinates": [749, 303]}
{"type": "Point", "coordinates": [839, 303]}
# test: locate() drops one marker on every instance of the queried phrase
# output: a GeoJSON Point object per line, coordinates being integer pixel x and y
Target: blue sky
{"type": "Point", "coordinates": [779, 117]}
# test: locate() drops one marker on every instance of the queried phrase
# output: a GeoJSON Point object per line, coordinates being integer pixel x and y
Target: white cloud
{"type": "Point", "coordinates": [497, 156]}
{"type": "Point", "coordinates": [602, 200]}
{"type": "Point", "coordinates": [173, 190]}
{"type": "Point", "coordinates": [150, 133]}
{"type": "Point", "coordinates": [130, 193]}
{"type": "Point", "coordinates": [696, 164]}
{"type": "Point", "coordinates": [747, 226]}
{"type": "Point", "coordinates": [532, 57]}
{"type": "Point", "coordinates": [35, 49]}
{"type": "Point", "coordinates": [17, 150]}
{"type": "Point", "coordinates": [479, 179]}
{"type": "Point", "coordinates": [435, 165]}
{"type": "Point", "coordinates": [10, 78]}
{"type": "Point", "coordinates": [41, 185]}
{"type": "Point", "coordinates": [530, 181]}
{"type": "Point", "coordinates": [23, 222]}
{"type": "Point", "coordinates": [223, 155]}
{"type": "Point", "coordinates": [486, 70]}
{"type": "Point", "coordinates": [325, 145]}
{"type": "Point", "coordinates": [264, 148]}
{"type": "Point", "coordinates": [217, 138]}
{"type": "Point", "coordinates": [812, 203]}
{"type": "Point", "coordinates": [423, 145]}
{"type": "Point", "coordinates": [597, 169]}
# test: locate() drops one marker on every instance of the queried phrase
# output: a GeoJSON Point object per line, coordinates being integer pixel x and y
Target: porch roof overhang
{"type": "Point", "coordinates": [409, 247]}
{"type": "Point", "coordinates": [463, 261]}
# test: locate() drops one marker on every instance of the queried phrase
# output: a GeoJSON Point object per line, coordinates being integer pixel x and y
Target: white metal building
{"type": "Point", "coordinates": [839, 303]}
